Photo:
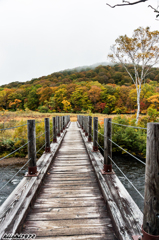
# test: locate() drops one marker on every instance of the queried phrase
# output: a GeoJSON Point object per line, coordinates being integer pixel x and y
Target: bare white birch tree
{"type": "Point", "coordinates": [141, 50]}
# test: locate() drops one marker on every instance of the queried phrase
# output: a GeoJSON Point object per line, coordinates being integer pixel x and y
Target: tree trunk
{"type": "Point", "coordinates": [138, 89]}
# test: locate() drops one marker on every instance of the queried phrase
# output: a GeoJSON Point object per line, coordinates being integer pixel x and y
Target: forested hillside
{"type": "Point", "coordinates": [104, 89]}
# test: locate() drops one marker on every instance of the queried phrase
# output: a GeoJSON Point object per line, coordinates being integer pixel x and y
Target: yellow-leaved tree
{"type": "Point", "coordinates": [142, 51]}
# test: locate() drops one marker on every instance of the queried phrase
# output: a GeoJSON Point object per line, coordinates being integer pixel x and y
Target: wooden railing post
{"type": "Point", "coordinates": [65, 121]}
{"type": "Point", "coordinates": [32, 168]}
{"type": "Point", "coordinates": [107, 168]}
{"type": "Point", "coordinates": [58, 126]}
{"type": "Point", "coordinates": [151, 202]}
{"type": "Point", "coordinates": [95, 134]}
{"type": "Point", "coordinates": [86, 131]}
{"type": "Point", "coordinates": [47, 135]}
{"type": "Point", "coordinates": [82, 121]}
{"type": "Point", "coordinates": [54, 130]}
{"type": "Point", "coordinates": [89, 129]}
{"type": "Point", "coordinates": [61, 124]}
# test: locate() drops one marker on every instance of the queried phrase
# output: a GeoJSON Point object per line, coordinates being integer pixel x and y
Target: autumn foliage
{"type": "Point", "coordinates": [105, 89]}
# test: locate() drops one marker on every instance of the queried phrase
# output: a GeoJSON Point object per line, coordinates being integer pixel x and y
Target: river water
{"type": "Point", "coordinates": [135, 172]}
{"type": "Point", "coordinates": [6, 174]}
{"type": "Point", "coordinates": [133, 169]}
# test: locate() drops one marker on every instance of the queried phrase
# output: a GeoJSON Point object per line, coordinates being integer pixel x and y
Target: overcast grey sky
{"type": "Point", "coordinates": [39, 37]}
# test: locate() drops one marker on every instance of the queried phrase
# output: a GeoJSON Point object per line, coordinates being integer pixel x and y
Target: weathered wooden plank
{"type": "Point", "coordinates": [79, 237]}
{"type": "Point", "coordinates": [60, 202]}
{"type": "Point", "coordinates": [69, 170]}
{"type": "Point", "coordinates": [81, 209]}
{"type": "Point", "coordinates": [72, 167]}
{"type": "Point", "coordinates": [67, 195]}
{"type": "Point", "coordinates": [67, 177]}
{"type": "Point", "coordinates": [71, 181]}
{"type": "Point", "coordinates": [67, 213]}
{"type": "Point", "coordinates": [69, 227]}
{"type": "Point", "coordinates": [71, 187]}
{"type": "Point", "coordinates": [69, 163]}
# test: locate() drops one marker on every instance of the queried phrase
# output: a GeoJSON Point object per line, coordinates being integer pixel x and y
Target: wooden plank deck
{"type": "Point", "coordinates": [70, 205]}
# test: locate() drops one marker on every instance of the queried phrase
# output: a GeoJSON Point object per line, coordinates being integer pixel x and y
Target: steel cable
{"type": "Point", "coordinates": [128, 126]}
{"type": "Point", "coordinates": [99, 145]}
{"type": "Point", "coordinates": [13, 127]}
{"type": "Point", "coordinates": [40, 135]}
{"type": "Point", "coordinates": [15, 174]}
{"type": "Point", "coordinates": [128, 152]}
{"type": "Point", "coordinates": [14, 151]}
{"type": "Point", "coordinates": [40, 148]}
{"type": "Point", "coordinates": [126, 178]}
{"type": "Point", "coordinates": [100, 133]}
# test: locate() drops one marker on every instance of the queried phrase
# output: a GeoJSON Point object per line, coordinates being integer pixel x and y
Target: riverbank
{"type": "Point", "coordinates": [13, 161]}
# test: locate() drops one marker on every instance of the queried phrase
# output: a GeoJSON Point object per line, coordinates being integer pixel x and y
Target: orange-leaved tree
{"type": "Point", "coordinates": [142, 51]}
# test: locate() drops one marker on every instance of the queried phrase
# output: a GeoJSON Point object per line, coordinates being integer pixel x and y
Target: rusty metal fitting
{"type": "Point", "coordinates": [47, 149]}
{"type": "Point", "coordinates": [89, 139]}
{"type": "Point", "coordinates": [86, 134]}
{"type": "Point", "coordinates": [54, 140]}
{"type": "Point", "coordinates": [107, 169]}
{"type": "Point", "coordinates": [147, 236]}
{"type": "Point", "coordinates": [95, 149]}
{"type": "Point", "coordinates": [32, 172]}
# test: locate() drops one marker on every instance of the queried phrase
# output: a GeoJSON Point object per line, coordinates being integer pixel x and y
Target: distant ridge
{"type": "Point", "coordinates": [78, 69]}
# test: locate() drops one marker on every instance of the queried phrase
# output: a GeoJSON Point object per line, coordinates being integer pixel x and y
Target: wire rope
{"type": "Point", "coordinates": [15, 174]}
{"type": "Point", "coordinates": [128, 126]}
{"type": "Point", "coordinates": [126, 178]}
{"type": "Point", "coordinates": [13, 127]}
{"type": "Point", "coordinates": [128, 152]}
{"type": "Point", "coordinates": [14, 151]}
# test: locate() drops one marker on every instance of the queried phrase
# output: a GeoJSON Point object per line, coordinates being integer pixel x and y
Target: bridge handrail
{"type": "Point", "coordinates": [151, 215]}
{"type": "Point", "coordinates": [86, 127]}
{"type": "Point", "coordinates": [128, 126]}
{"type": "Point", "coordinates": [13, 210]}
{"type": "Point", "coordinates": [126, 216]}
{"type": "Point", "coordinates": [3, 129]}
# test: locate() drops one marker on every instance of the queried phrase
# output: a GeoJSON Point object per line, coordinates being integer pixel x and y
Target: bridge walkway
{"type": "Point", "coordinates": [69, 205]}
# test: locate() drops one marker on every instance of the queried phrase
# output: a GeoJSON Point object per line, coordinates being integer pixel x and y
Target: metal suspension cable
{"type": "Point", "coordinates": [128, 152]}
{"type": "Point", "coordinates": [99, 133]}
{"type": "Point", "coordinates": [39, 121]}
{"type": "Point", "coordinates": [99, 145]}
{"type": "Point", "coordinates": [14, 151]}
{"type": "Point", "coordinates": [40, 135]}
{"type": "Point", "coordinates": [128, 126]}
{"type": "Point", "coordinates": [40, 148]}
{"type": "Point", "coordinates": [13, 127]}
{"type": "Point", "coordinates": [15, 174]}
{"type": "Point", "coordinates": [126, 178]}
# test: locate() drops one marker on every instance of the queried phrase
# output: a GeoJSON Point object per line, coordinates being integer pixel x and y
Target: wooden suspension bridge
{"type": "Point", "coordinates": [68, 194]}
